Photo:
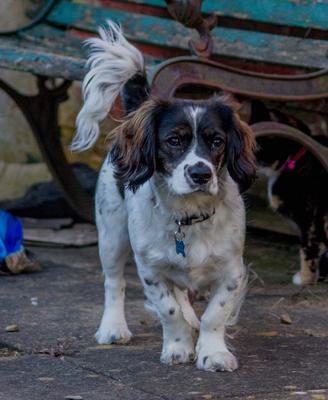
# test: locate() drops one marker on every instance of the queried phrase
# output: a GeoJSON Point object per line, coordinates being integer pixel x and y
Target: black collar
{"type": "Point", "coordinates": [194, 219]}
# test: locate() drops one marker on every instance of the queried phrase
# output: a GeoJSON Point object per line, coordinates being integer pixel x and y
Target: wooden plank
{"type": "Point", "coordinates": [297, 13]}
{"type": "Point", "coordinates": [47, 51]}
{"type": "Point", "coordinates": [28, 57]}
{"type": "Point", "coordinates": [80, 235]}
{"type": "Point", "coordinates": [229, 43]}
{"type": "Point", "coordinates": [56, 40]}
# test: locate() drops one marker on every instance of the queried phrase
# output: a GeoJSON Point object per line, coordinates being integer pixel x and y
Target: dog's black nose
{"type": "Point", "coordinates": [200, 173]}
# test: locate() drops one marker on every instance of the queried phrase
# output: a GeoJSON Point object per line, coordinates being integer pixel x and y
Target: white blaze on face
{"type": "Point", "coordinates": [194, 115]}
{"type": "Point", "coordinates": [179, 182]}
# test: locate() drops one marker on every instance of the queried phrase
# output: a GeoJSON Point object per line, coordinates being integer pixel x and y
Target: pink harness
{"type": "Point", "coordinates": [291, 161]}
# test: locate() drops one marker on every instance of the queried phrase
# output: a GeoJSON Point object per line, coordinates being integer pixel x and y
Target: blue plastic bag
{"type": "Point", "coordinates": [11, 235]}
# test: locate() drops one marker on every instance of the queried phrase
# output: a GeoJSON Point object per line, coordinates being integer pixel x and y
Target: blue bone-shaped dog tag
{"type": "Point", "coordinates": [179, 243]}
{"type": "Point", "coordinates": [180, 247]}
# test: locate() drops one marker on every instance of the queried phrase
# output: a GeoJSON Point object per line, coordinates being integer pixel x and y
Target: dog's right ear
{"type": "Point", "coordinates": [240, 156]}
{"type": "Point", "coordinates": [135, 92]}
{"type": "Point", "coordinates": [133, 153]}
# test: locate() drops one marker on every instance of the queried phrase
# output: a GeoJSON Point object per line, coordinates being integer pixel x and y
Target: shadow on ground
{"type": "Point", "coordinates": [54, 355]}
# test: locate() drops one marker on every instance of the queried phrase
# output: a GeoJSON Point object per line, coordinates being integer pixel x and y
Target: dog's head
{"type": "Point", "coordinates": [188, 143]}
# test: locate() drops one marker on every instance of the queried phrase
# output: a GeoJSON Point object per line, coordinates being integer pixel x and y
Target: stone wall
{"type": "Point", "coordinates": [21, 163]}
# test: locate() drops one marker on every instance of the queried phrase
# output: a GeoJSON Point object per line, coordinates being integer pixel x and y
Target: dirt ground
{"type": "Point", "coordinates": [54, 354]}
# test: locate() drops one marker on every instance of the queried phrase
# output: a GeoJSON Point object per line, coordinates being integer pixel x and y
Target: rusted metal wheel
{"type": "Point", "coordinates": [267, 129]}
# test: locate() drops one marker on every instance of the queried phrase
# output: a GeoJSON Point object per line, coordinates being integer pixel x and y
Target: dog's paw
{"type": "Point", "coordinates": [219, 361]}
{"type": "Point", "coordinates": [179, 351]}
{"type": "Point", "coordinates": [119, 334]}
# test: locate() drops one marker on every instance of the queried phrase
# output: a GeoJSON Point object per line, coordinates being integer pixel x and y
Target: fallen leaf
{"type": "Point", "coordinates": [290, 387]}
{"type": "Point", "coordinates": [285, 319]}
{"type": "Point", "coordinates": [317, 391]}
{"type": "Point", "coordinates": [46, 379]}
{"type": "Point", "coordinates": [318, 396]}
{"type": "Point", "coordinates": [101, 347]}
{"type": "Point", "coordinates": [72, 397]}
{"type": "Point", "coordinates": [268, 333]}
{"type": "Point", "coordinates": [12, 328]}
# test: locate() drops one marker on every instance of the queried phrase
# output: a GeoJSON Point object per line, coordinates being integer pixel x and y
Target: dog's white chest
{"type": "Point", "coordinates": [207, 249]}
{"type": "Point", "coordinates": [208, 244]}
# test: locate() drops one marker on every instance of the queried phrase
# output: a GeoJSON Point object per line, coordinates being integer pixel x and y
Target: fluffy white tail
{"type": "Point", "coordinates": [112, 62]}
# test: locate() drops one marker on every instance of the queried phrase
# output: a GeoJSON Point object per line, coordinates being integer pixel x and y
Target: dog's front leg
{"type": "Point", "coordinates": [212, 351]}
{"type": "Point", "coordinates": [113, 251]}
{"type": "Point", "coordinates": [178, 346]}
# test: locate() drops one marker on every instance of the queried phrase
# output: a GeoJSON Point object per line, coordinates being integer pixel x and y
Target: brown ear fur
{"type": "Point", "coordinates": [133, 151]}
{"type": "Point", "coordinates": [241, 147]}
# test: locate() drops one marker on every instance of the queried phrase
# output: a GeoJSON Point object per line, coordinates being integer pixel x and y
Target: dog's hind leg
{"type": "Point", "coordinates": [114, 249]}
{"type": "Point", "coordinates": [313, 248]}
{"type": "Point", "coordinates": [309, 267]}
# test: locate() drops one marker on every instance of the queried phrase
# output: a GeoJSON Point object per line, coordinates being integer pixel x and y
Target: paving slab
{"type": "Point", "coordinates": [54, 354]}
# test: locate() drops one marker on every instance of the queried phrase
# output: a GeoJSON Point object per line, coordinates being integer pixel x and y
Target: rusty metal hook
{"type": "Point", "coordinates": [188, 13]}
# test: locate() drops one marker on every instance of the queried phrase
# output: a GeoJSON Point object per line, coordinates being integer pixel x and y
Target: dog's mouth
{"type": "Point", "coordinates": [202, 190]}
{"type": "Point", "coordinates": [198, 188]}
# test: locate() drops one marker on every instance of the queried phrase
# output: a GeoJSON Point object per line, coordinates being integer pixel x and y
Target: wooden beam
{"type": "Point", "coordinates": [166, 33]}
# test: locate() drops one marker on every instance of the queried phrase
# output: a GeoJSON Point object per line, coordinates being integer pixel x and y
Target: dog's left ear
{"type": "Point", "coordinates": [240, 154]}
{"type": "Point", "coordinates": [133, 153]}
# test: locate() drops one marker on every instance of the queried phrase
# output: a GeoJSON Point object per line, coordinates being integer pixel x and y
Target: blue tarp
{"type": "Point", "coordinates": [11, 235]}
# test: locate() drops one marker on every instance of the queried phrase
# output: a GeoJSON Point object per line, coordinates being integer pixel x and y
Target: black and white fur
{"type": "Point", "coordinates": [173, 160]}
{"type": "Point", "coordinates": [299, 194]}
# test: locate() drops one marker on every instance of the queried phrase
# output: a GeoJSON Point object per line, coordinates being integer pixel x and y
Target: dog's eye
{"type": "Point", "coordinates": [217, 142]}
{"type": "Point", "coordinates": [174, 141]}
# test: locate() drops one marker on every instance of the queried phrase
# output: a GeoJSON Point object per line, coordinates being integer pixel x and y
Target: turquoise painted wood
{"type": "Point", "coordinates": [54, 52]}
{"type": "Point", "coordinates": [43, 58]}
{"type": "Point", "coordinates": [48, 51]}
{"type": "Point", "coordinates": [297, 13]}
{"type": "Point", "coordinates": [232, 43]}
{"type": "Point", "coordinates": [57, 52]}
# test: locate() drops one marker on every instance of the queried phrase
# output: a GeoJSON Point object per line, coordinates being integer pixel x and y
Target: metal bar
{"type": "Point", "coordinates": [176, 73]}
{"type": "Point", "coordinates": [41, 112]}
{"type": "Point", "coordinates": [36, 20]}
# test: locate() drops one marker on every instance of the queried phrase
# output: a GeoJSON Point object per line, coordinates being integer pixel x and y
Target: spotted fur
{"type": "Point", "coordinates": [176, 159]}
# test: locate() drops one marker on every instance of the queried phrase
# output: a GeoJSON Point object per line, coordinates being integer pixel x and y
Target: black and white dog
{"type": "Point", "coordinates": [170, 189]}
{"type": "Point", "coordinates": [297, 189]}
